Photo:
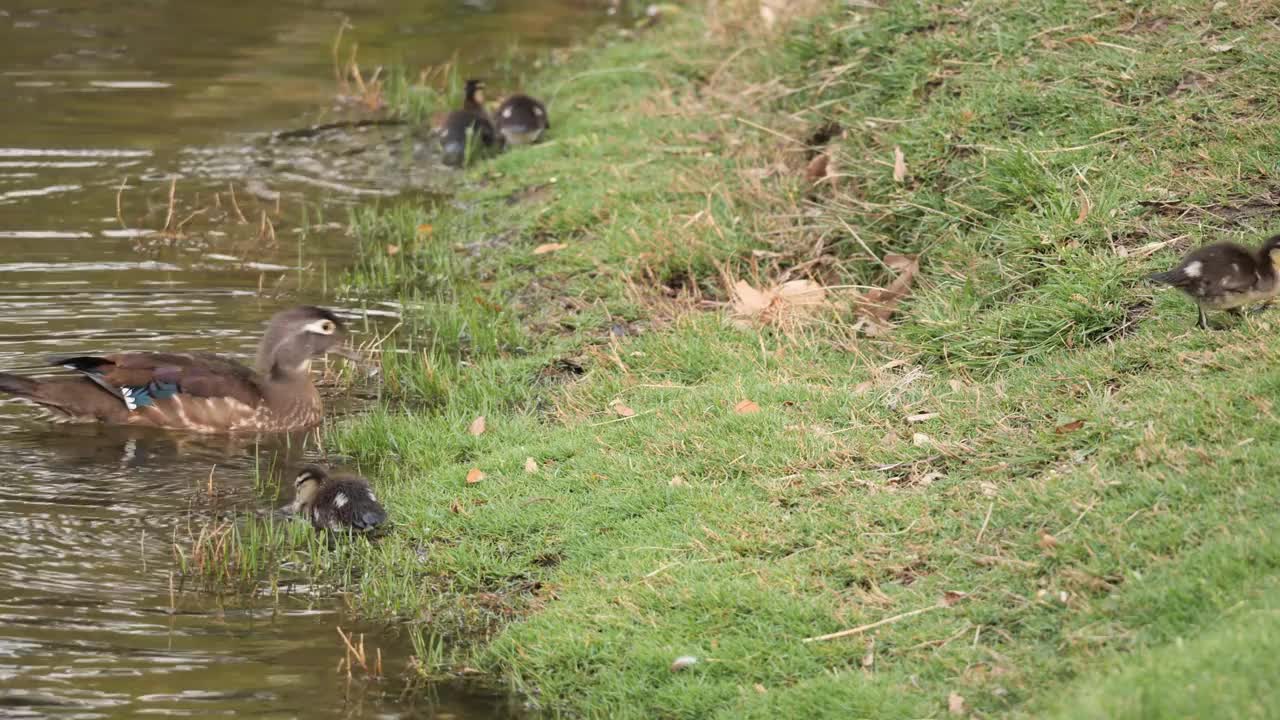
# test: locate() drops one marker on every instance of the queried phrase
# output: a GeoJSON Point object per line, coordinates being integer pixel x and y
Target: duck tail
{"type": "Point", "coordinates": [1169, 277]}
{"type": "Point", "coordinates": [19, 386]}
{"type": "Point", "coordinates": [371, 518]}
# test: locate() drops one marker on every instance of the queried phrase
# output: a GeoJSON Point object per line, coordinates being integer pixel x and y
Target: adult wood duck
{"type": "Point", "coordinates": [522, 120]}
{"type": "Point", "coordinates": [1226, 276]}
{"type": "Point", "coordinates": [200, 392]}
{"type": "Point", "coordinates": [470, 124]}
{"type": "Point", "coordinates": [336, 502]}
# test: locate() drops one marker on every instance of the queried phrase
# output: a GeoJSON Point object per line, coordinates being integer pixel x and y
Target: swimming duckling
{"type": "Point", "coordinates": [522, 120]}
{"type": "Point", "coordinates": [470, 124]}
{"type": "Point", "coordinates": [336, 502]}
{"type": "Point", "coordinates": [1226, 276]}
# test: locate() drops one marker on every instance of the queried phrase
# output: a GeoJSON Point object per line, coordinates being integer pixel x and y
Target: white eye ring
{"type": "Point", "coordinates": [322, 327]}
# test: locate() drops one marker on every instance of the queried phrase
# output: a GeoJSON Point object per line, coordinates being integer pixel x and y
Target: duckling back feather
{"type": "Point", "coordinates": [347, 502]}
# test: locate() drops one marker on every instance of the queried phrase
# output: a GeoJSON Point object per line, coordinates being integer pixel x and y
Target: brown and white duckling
{"type": "Point", "coordinates": [1226, 276]}
{"type": "Point", "coordinates": [522, 120]}
{"type": "Point", "coordinates": [469, 125]}
{"type": "Point", "coordinates": [336, 502]}
{"type": "Point", "coordinates": [199, 392]}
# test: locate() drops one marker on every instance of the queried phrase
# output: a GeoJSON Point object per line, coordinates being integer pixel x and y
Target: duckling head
{"type": "Point", "coordinates": [295, 336]}
{"type": "Point", "coordinates": [1271, 251]}
{"type": "Point", "coordinates": [311, 478]}
{"type": "Point", "coordinates": [473, 94]}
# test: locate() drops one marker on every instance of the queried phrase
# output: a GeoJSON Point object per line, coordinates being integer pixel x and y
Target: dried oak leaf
{"type": "Point", "coordinates": [899, 165]}
{"type": "Point", "coordinates": [530, 465]}
{"type": "Point", "coordinates": [1070, 427]}
{"type": "Point", "coordinates": [474, 475]}
{"type": "Point", "coordinates": [545, 248]}
{"type": "Point", "coordinates": [623, 410]}
{"type": "Point", "coordinates": [782, 305]}
{"type": "Point", "coordinates": [746, 407]}
{"type": "Point", "coordinates": [816, 170]}
{"type": "Point", "coordinates": [878, 304]}
{"type": "Point", "coordinates": [477, 426]}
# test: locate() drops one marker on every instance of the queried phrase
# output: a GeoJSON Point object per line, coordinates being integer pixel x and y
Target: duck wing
{"type": "Point", "coordinates": [142, 379]}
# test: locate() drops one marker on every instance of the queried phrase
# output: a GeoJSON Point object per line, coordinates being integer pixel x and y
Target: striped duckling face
{"type": "Point", "coordinates": [306, 486]}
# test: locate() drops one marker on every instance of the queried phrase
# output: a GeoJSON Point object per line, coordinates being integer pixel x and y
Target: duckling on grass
{"type": "Point", "coordinates": [336, 502]}
{"type": "Point", "coordinates": [1226, 276]}
{"type": "Point", "coordinates": [466, 127]}
{"type": "Point", "coordinates": [522, 120]}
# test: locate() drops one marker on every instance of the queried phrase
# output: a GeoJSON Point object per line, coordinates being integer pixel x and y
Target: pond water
{"type": "Point", "coordinates": [121, 119]}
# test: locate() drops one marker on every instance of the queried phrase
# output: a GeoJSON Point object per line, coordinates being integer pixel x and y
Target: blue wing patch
{"type": "Point", "coordinates": [146, 395]}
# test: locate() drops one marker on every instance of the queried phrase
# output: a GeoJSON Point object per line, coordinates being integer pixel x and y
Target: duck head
{"type": "Point", "coordinates": [295, 336]}
{"type": "Point", "coordinates": [311, 478]}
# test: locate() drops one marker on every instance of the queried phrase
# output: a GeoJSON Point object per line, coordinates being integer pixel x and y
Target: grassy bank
{"type": "Point", "coordinates": [1042, 492]}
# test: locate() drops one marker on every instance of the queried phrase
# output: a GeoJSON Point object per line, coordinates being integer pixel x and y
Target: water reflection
{"type": "Point", "coordinates": [110, 107]}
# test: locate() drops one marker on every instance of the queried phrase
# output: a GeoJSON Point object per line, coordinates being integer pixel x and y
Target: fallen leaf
{"type": "Point", "coordinates": [530, 465]}
{"type": "Point", "coordinates": [760, 688]}
{"type": "Point", "coordinates": [878, 304]}
{"type": "Point", "coordinates": [623, 410]}
{"type": "Point", "coordinates": [477, 426]}
{"type": "Point", "coordinates": [951, 597]}
{"type": "Point", "coordinates": [424, 230]}
{"type": "Point", "coordinates": [545, 248]}
{"type": "Point", "coordinates": [1047, 541]}
{"type": "Point", "coordinates": [474, 476]}
{"type": "Point", "coordinates": [678, 481]}
{"type": "Point", "coordinates": [864, 386]}
{"type": "Point", "coordinates": [1085, 207]}
{"type": "Point", "coordinates": [1070, 427]}
{"type": "Point", "coordinates": [899, 165]}
{"type": "Point", "coordinates": [746, 407]}
{"type": "Point", "coordinates": [920, 440]}
{"type": "Point", "coordinates": [782, 306]}
{"type": "Point", "coordinates": [1225, 47]}
{"type": "Point", "coordinates": [921, 417]}
{"type": "Point", "coordinates": [955, 704]}
{"type": "Point", "coordinates": [455, 507]}
{"type": "Point", "coordinates": [393, 250]}
{"type": "Point", "coordinates": [816, 170]}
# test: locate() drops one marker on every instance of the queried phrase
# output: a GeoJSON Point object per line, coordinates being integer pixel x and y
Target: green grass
{"type": "Point", "coordinates": [1040, 433]}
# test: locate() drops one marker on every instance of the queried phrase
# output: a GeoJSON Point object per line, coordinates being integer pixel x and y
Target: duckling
{"type": "Point", "coordinates": [199, 392]}
{"type": "Point", "coordinates": [336, 502]}
{"type": "Point", "coordinates": [1226, 276]}
{"type": "Point", "coordinates": [522, 120]}
{"type": "Point", "coordinates": [467, 125]}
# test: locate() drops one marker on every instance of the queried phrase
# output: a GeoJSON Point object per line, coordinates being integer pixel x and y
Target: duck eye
{"type": "Point", "coordinates": [322, 327]}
